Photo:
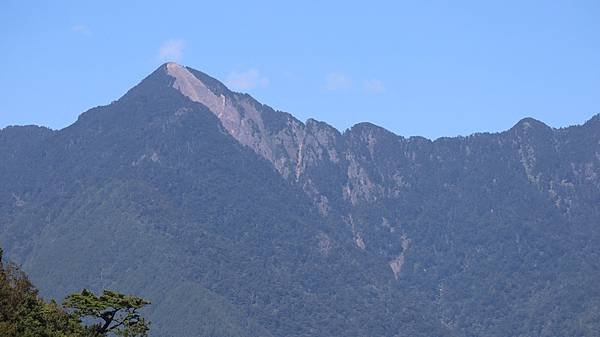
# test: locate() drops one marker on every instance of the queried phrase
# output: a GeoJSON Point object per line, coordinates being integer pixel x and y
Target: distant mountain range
{"type": "Point", "coordinates": [234, 219]}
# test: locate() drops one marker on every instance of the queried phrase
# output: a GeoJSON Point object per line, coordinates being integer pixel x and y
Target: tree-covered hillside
{"type": "Point", "coordinates": [234, 219]}
{"type": "Point", "coordinates": [151, 195]}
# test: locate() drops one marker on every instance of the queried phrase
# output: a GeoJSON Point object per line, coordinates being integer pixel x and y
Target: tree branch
{"type": "Point", "coordinates": [108, 318]}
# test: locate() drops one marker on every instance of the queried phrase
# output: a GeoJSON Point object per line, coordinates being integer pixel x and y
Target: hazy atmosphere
{"type": "Point", "coordinates": [430, 68]}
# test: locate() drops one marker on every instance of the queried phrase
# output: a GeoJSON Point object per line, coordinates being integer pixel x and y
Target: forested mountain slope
{"type": "Point", "coordinates": [238, 220]}
{"type": "Point", "coordinates": [150, 195]}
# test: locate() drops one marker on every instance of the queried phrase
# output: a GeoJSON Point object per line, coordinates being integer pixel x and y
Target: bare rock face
{"type": "Point", "coordinates": [244, 119]}
{"type": "Point", "coordinates": [294, 148]}
{"type": "Point", "coordinates": [397, 263]}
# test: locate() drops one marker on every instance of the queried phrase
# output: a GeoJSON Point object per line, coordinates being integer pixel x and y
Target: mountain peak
{"type": "Point", "coordinates": [188, 84]}
{"type": "Point", "coordinates": [529, 122]}
{"type": "Point", "coordinates": [199, 88]}
{"type": "Point", "coordinates": [272, 134]}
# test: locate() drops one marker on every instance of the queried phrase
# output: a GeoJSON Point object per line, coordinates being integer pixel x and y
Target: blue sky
{"type": "Point", "coordinates": [430, 68]}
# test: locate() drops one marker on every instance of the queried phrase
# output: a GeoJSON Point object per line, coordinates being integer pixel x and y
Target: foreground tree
{"type": "Point", "coordinates": [24, 314]}
{"type": "Point", "coordinates": [115, 313]}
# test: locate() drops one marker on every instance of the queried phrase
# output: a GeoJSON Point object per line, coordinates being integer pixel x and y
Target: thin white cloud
{"type": "Point", "coordinates": [373, 86]}
{"type": "Point", "coordinates": [246, 80]}
{"type": "Point", "coordinates": [171, 50]}
{"type": "Point", "coordinates": [337, 82]}
{"type": "Point", "coordinates": [81, 29]}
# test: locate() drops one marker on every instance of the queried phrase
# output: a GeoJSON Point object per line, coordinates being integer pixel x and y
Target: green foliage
{"type": "Point", "coordinates": [24, 314]}
{"type": "Point", "coordinates": [118, 313]}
